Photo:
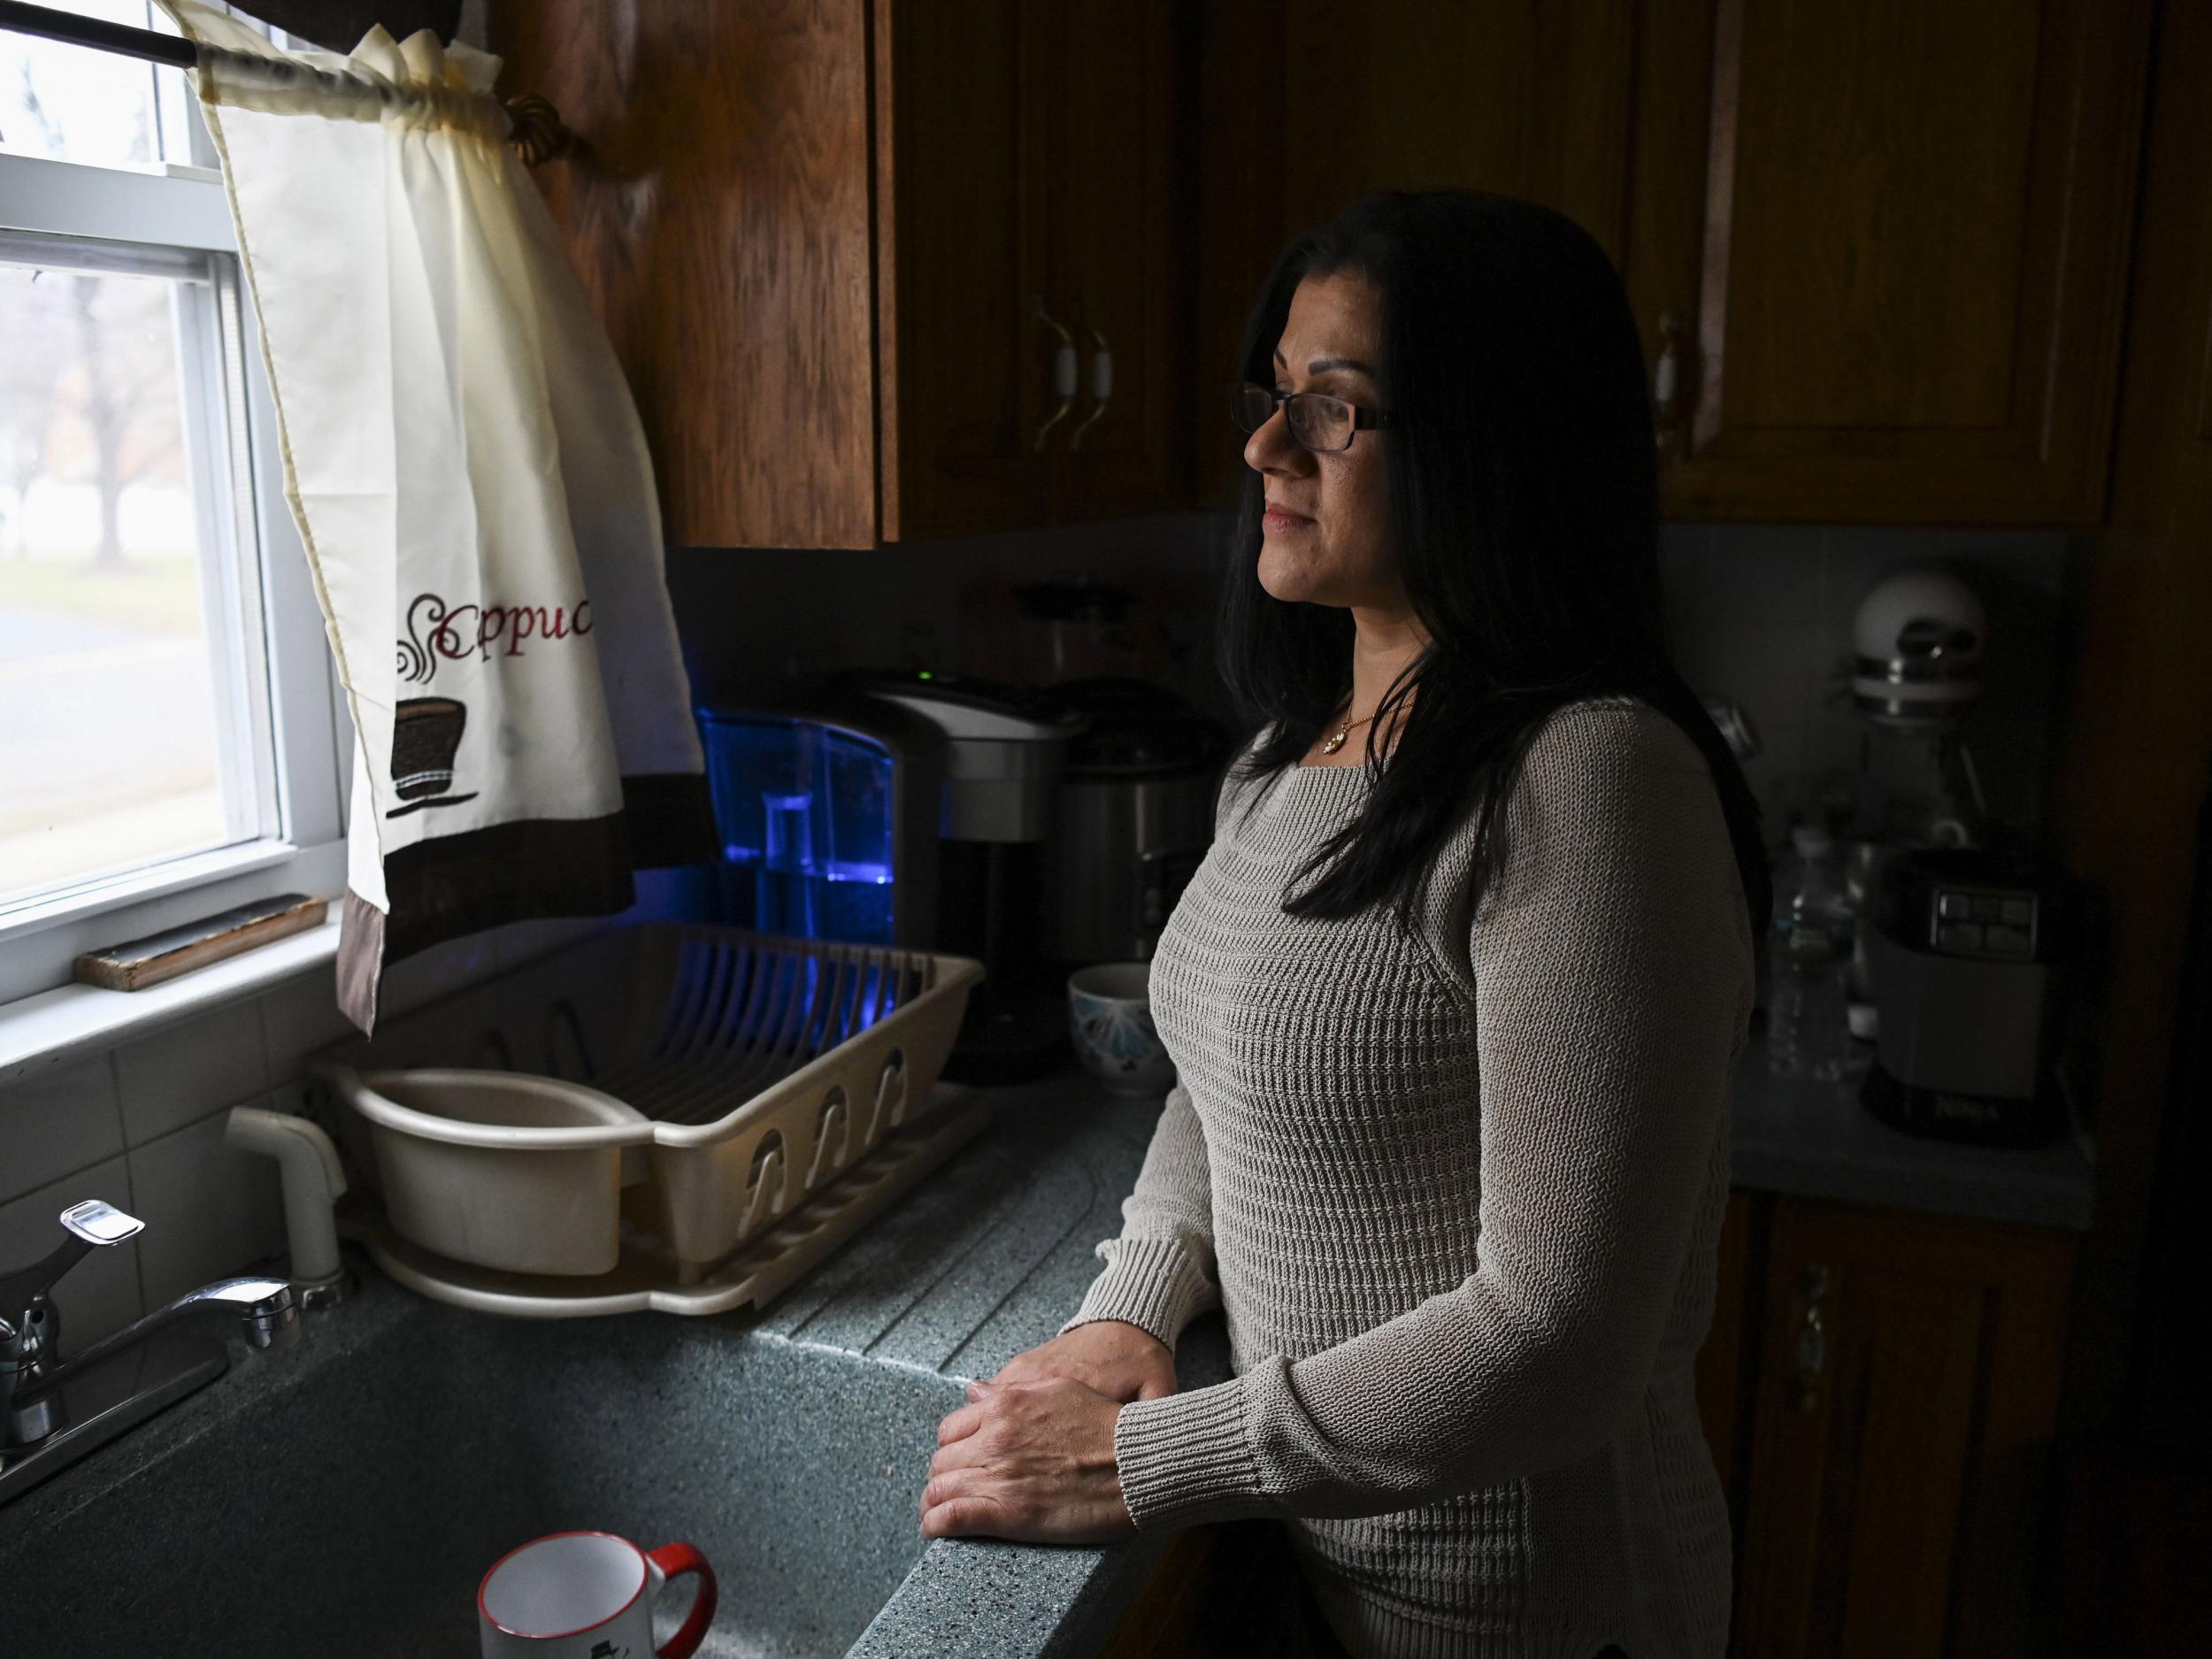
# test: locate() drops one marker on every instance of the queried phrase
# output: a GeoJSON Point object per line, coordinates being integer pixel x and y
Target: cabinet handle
{"type": "Point", "coordinates": [1666, 382]}
{"type": "Point", "coordinates": [1063, 371]}
{"type": "Point", "coordinates": [1101, 385]}
{"type": "Point", "coordinates": [1812, 1341]}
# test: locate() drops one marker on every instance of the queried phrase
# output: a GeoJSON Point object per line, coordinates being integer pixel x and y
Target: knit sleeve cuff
{"type": "Point", "coordinates": [1184, 1459]}
{"type": "Point", "coordinates": [1154, 1284]}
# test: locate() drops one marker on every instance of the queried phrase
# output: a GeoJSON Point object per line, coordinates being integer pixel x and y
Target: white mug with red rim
{"type": "Point", "coordinates": [587, 1595]}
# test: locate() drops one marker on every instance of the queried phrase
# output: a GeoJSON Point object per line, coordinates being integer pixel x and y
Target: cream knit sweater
{"type": "Point", "coordinates": [1458, 1198]}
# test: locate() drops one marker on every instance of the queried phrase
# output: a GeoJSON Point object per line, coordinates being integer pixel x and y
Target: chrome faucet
{"type": "Point", "coordinates": [34, 1421]}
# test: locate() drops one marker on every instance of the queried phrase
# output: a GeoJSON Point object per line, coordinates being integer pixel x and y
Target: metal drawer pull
{"type": "Point", "coordinates": [1812, 1341]}
{"type": "Point", "coordinates": [1666, 382]}
{"type": "Point", "coordinates": [1101, 387]}
{"type": "Point", "coordinates": [1063, 371]}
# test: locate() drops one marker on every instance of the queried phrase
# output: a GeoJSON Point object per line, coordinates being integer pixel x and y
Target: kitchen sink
{"type": "Point", "coordinates": [345, 1497]}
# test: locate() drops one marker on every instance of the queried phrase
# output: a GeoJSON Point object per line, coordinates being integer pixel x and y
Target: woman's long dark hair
{"type": "Point", "coordinates": [1523, 486]}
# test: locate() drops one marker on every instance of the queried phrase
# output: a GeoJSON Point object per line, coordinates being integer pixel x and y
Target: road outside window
{"type": "Point", "coordinates": [166, 730]}
{"type": "Point", "coordinates": [116, 716]}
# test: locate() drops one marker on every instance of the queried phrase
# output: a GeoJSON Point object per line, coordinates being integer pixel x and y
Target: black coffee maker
{"type": "Point", "coordinates": [1005, 749]}
{"type": "Point", "coordinates": [1967, 958]}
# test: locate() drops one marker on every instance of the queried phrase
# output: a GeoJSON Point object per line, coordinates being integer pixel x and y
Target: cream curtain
{"type": "Point", "coordinates": [469, 476]}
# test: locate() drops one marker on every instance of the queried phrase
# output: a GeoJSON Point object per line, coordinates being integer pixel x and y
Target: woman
{"type": "Point", "coordinates": [1453, 1008]}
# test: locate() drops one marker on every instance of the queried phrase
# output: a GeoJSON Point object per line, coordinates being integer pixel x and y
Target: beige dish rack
{"type": "Point", "coordinates": [665, 1093]}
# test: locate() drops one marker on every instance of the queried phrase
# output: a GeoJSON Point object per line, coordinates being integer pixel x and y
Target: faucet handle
{"type": "Point", "coordinates": [96, 1221]}
{"type": "Point", "coordinates": [89, 1225]}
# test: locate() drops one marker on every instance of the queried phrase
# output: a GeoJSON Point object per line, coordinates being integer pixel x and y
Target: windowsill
{"type": "Point", "coordinates": [158, 880]}
{"type": "Point", "coordinates": [55, 1026]}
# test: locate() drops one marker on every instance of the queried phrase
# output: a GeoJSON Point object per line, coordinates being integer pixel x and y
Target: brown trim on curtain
{"type": "Point", "coordinates": [462, 884]}
{"type": "Point", "coordinates": [455, 884]}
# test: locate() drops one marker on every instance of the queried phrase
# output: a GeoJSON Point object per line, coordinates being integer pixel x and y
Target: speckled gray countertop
{"type": "Point", "coordinates": [989, 1256]}
{"type": "Point", "coordinates": [1815, 1141]}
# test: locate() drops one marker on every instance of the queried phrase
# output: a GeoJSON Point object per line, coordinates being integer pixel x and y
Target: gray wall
{"type": "Point", "coordinates": [1760, 614]}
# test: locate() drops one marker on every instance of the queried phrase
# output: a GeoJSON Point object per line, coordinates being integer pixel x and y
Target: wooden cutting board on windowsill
{"type": "Point", "coordinates": [139, 963]}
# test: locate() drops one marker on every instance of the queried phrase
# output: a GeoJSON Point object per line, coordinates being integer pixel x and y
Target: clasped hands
{"type": "Point", "coordinates": [1031, 1456]}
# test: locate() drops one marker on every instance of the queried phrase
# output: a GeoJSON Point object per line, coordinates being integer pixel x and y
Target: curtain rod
{"type": "Point", "coordinates": [538, 135]}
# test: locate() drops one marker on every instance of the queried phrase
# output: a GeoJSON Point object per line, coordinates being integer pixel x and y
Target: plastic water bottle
{"type": "Point", "coordinates": [1808, 961]}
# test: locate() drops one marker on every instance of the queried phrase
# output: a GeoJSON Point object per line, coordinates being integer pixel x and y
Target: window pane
{"type": "Point", "coordinates": [73, 104]}
{"type": "Point", "coordinates": [127, 682]}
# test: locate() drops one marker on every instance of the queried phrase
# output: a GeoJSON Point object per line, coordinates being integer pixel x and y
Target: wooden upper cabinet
{"type": "Point", "coordinates": [720, 214]}
{"type": "Point", "coordinates": [837, 241]}
{"type": "Point", "coordinates": [964, 172]}
{"type": "Point", "coordinates": [1532, 100]}
{"type": "Point", "coordinates": [1306, 105]}
{"type": "Point", "coordinates": [1895, 237]}
{"type": "Point", "coordinates": [831, 240]}
{"type": "Point", "coordinates": [1119, 227]}
{"type": "Point", "coordinates": [1035, 353]}
{"type": "Point", "coordinates": [1892, 237]}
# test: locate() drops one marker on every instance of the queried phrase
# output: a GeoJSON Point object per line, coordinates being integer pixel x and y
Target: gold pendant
{"type": "Point", "coordinates": [1336, 742]}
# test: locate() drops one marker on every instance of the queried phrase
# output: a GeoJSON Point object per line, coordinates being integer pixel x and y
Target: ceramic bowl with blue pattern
{"type": "Point", "coordinates": [1109, 1021]}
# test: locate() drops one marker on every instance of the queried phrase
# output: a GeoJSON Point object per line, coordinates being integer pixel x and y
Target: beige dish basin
{"type": "Point", "coordinates": [468, 1167]}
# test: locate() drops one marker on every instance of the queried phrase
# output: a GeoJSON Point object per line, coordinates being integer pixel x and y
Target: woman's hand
{"type": "Point", "coordinates": [1122, 1361]}
{"type": "Point", "coordinates": [1032, 1461]}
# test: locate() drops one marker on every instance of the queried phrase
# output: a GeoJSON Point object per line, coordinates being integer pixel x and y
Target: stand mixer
{"type": "Point", "coordinates": [1959, 955]}
{"type": "Point", "coordinates": [1916, 674]}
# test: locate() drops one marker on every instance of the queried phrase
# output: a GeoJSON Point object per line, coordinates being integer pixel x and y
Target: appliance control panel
{"type": "Point", "coordinates": [1996, 923]}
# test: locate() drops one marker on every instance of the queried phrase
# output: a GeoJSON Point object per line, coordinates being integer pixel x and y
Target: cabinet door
{"type": "Point", "coordinates": [1894, 238]}
{"type": "Point", "coordinates": [1904, 1410]}
{"type": "Point", "coordinates": [719, 214]}
{"type": "Point", "coordinates": [1306, 105]}
{"type": "Point", "coordinates": [962, 172]}
{"type": "Point", "coordinates": [1238, 163]}
{"type": "Point", "coordinates": [1529, 100]}
{"type": "Point", "coordinates": [1118, 208]}
{"type": "Point", "coordinates": [1723, 1373]}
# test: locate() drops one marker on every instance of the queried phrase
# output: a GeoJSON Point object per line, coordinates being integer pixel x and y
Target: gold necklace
{"type": "Point", "coordinates": [1343, 732]}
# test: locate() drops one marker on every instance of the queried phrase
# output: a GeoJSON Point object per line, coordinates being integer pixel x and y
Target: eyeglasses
{"type": "Point", "coordinates": [1317, 421]}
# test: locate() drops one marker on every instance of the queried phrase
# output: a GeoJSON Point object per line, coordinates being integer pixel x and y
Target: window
{"type": "Point", "coordinates": [170, 743]}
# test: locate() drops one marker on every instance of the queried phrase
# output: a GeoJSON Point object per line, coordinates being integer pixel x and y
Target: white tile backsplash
{"type": "Point", "coordinates": [1758, 613]}
{"type": "Point", "coordinates": [179, 1075]}
{"type": "Point", "coordinates": [55, 1121]}
{"type": "Point", "coordinates": [142, 1126]}
{"type": "Point", "coordinates": [1761, 614]}
{"type": "Point", "coordinates": [299, 1017]}
{"type": "Point", "coordinates": [210, 1209]}
{"type": "Point", "coordinates": [100, 1293]}
{"type": "Point", "coordinates": [520, 943]}
{"type": "Point", "coordinates": [435, 972]}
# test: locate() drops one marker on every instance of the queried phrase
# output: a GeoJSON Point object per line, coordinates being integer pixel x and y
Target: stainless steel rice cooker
{"type": "Point", "coordinates": [1135, 816]}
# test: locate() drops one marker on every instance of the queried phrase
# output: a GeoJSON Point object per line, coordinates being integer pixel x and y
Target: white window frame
{"type": "Point", "coordinates": [186, 207]}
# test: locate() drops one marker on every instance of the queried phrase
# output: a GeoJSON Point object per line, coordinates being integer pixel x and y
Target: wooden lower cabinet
{"type": "Point", "coordinates": [1879, 1390]}
{"type": "Point", "coordinates": [1724, 1378]}
{"type": "Point", "coordinates": [1169, 1614]}
{"type": "Point", "coordinates": [1218, 1592]}
{"type": "Point", "coordinates": [1902, 1411]}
